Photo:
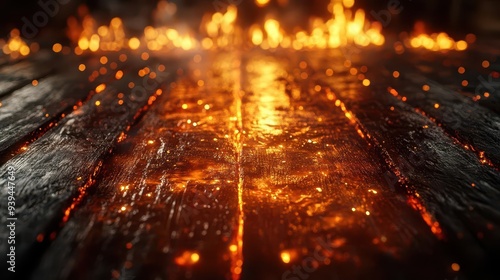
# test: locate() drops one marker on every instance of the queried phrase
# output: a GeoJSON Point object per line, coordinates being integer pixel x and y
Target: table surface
{"type": "Point", "coordinates": [253, 165]}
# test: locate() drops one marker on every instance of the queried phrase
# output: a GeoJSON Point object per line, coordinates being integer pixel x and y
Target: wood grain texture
{"type": "Point", "coordinates": [14, 76]}
{"type": "Point", "coordinates": [461, 117]}
{"type": "Point", "coordinates": [313, 185]}
{"type": "Point", "coordinates": [170, 215]}
{"type": "Point", "coordinates": [30, 111]}
{"type": "Point", "coordinates": [55, 171]}
{"type": "Point", "coordinates": [254, 165]}
{"type": "Point", "coordinates": [447, 183]}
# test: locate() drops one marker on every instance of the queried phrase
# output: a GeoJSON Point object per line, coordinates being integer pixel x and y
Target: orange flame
{"type": "Point", "coordinates": [15, 46]}
{"type": "Point", "coordinates": [220, 31]}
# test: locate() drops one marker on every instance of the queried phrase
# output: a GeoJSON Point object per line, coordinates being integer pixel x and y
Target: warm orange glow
{"type": "Point", "coordinates": [103, 60]}
{"type": "Point", "coordinates": [94, 38]}
{"type": "Point", "coordinates": [187, 258]}
{"type": "Point", "coordinates": [15, 46]}
{"type": "Point", "coordinates": [119, 74]}
{"type": "Point", "coordinates": [338, 31]}
{"type": "Point", "coordinates": [434, 42]}
{"type": "Point", "coordinates": [233, 248]}
{"type": "Point", "coordinates": [100, 88]}
{"type": "Point", "coordinates": [343, 28]}
{"type": "Point", "coordinates": [57, 48]}
{"type": "Point", "coordinates": [428, 218]}
{"type": "Point", "coordinates": [461, 45]}
{"type": "Point", "coordinates": [261, 3]}
{"type": "Point", "coordinates": [346, 26]}
{"type": "Point", "coordinates": [134, 43]}
{"type": "Point", "coordinates": [285, 257]}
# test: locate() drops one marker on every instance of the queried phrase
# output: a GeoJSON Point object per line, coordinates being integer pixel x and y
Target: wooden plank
{"type": "Point", "coordinates": [443, 68]}
{"type": "Point", "coordinates": [3, 59]}
{"type": "Point", "coordinates": [28, 112]}
{"type": "Point", "coordinates": [31, 108]}
{"type": "Point", "coordinates": [316, 203]}
{"type": "Point", "coordinates": [53, 175]}
{"type": "Point", "coordinates": [173, 182]}
{"type": "Point", "coordinates": [454, 192]}
{"type": "Point", "coordinates": [265, 181]}
{"type": "Point", "coordinates": [473, 126]}
{"type": "Point", "coordinates": [17, 75]}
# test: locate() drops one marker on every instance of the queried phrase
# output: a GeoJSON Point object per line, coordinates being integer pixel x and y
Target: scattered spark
{"type": "Point", "coordinates": [233, 248]}
{"type": "Point", "coordinates": [285, 257]}
{"type": "Point", "coordinates": [119, 74]}
{"type": "Point", "coordinates": [57, 48]}
{"type": "Point", "coordinates": [100, 88]}
{"type": "Point", "coordinates": [134, 43]}
{"type": "Point", "coordinates": [187, 258]}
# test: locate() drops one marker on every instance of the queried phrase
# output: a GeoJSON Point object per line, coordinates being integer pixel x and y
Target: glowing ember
{"type": "Point", "coordinates": [434, 42]}
{"type": "Point", "coordinates": [437, 42]}
{"type": "Point", "coordinates": [221, 31]}
{"type": "Point", "coordinates": [187, 258]}
{"type": "Point", "coordinates": [92, 37]}
{"type": "Point", "coordinates": [15, 46]}
{"type": "Point", "coordinates": [342, 29]}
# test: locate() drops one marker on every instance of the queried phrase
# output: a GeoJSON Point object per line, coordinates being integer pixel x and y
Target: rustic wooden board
{"type": "Point", "coordinates": [15, 76]}
{"type": "Point", "coordinates": [459, 116]}
{"type": "Point", "coordinates": [176, 182]}
{"type": "Point", "coordinates": [306, 169]}
{"type": "Point", "coordinates": [3, 59]}
{"type": "Point", "coordinates": [30, 111]}
{"type": "Point", "coordinates": [256, 165]}
{"type": "Point", "coordinates": [443, 69]}
{"type": "Point", "coordinates": [52, 176]}
{"type": "Point", "coordinates": [446, 182]}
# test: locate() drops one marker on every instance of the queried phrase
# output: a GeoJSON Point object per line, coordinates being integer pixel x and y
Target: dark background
{"type": "Point", "coordinates": [456, 17]}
